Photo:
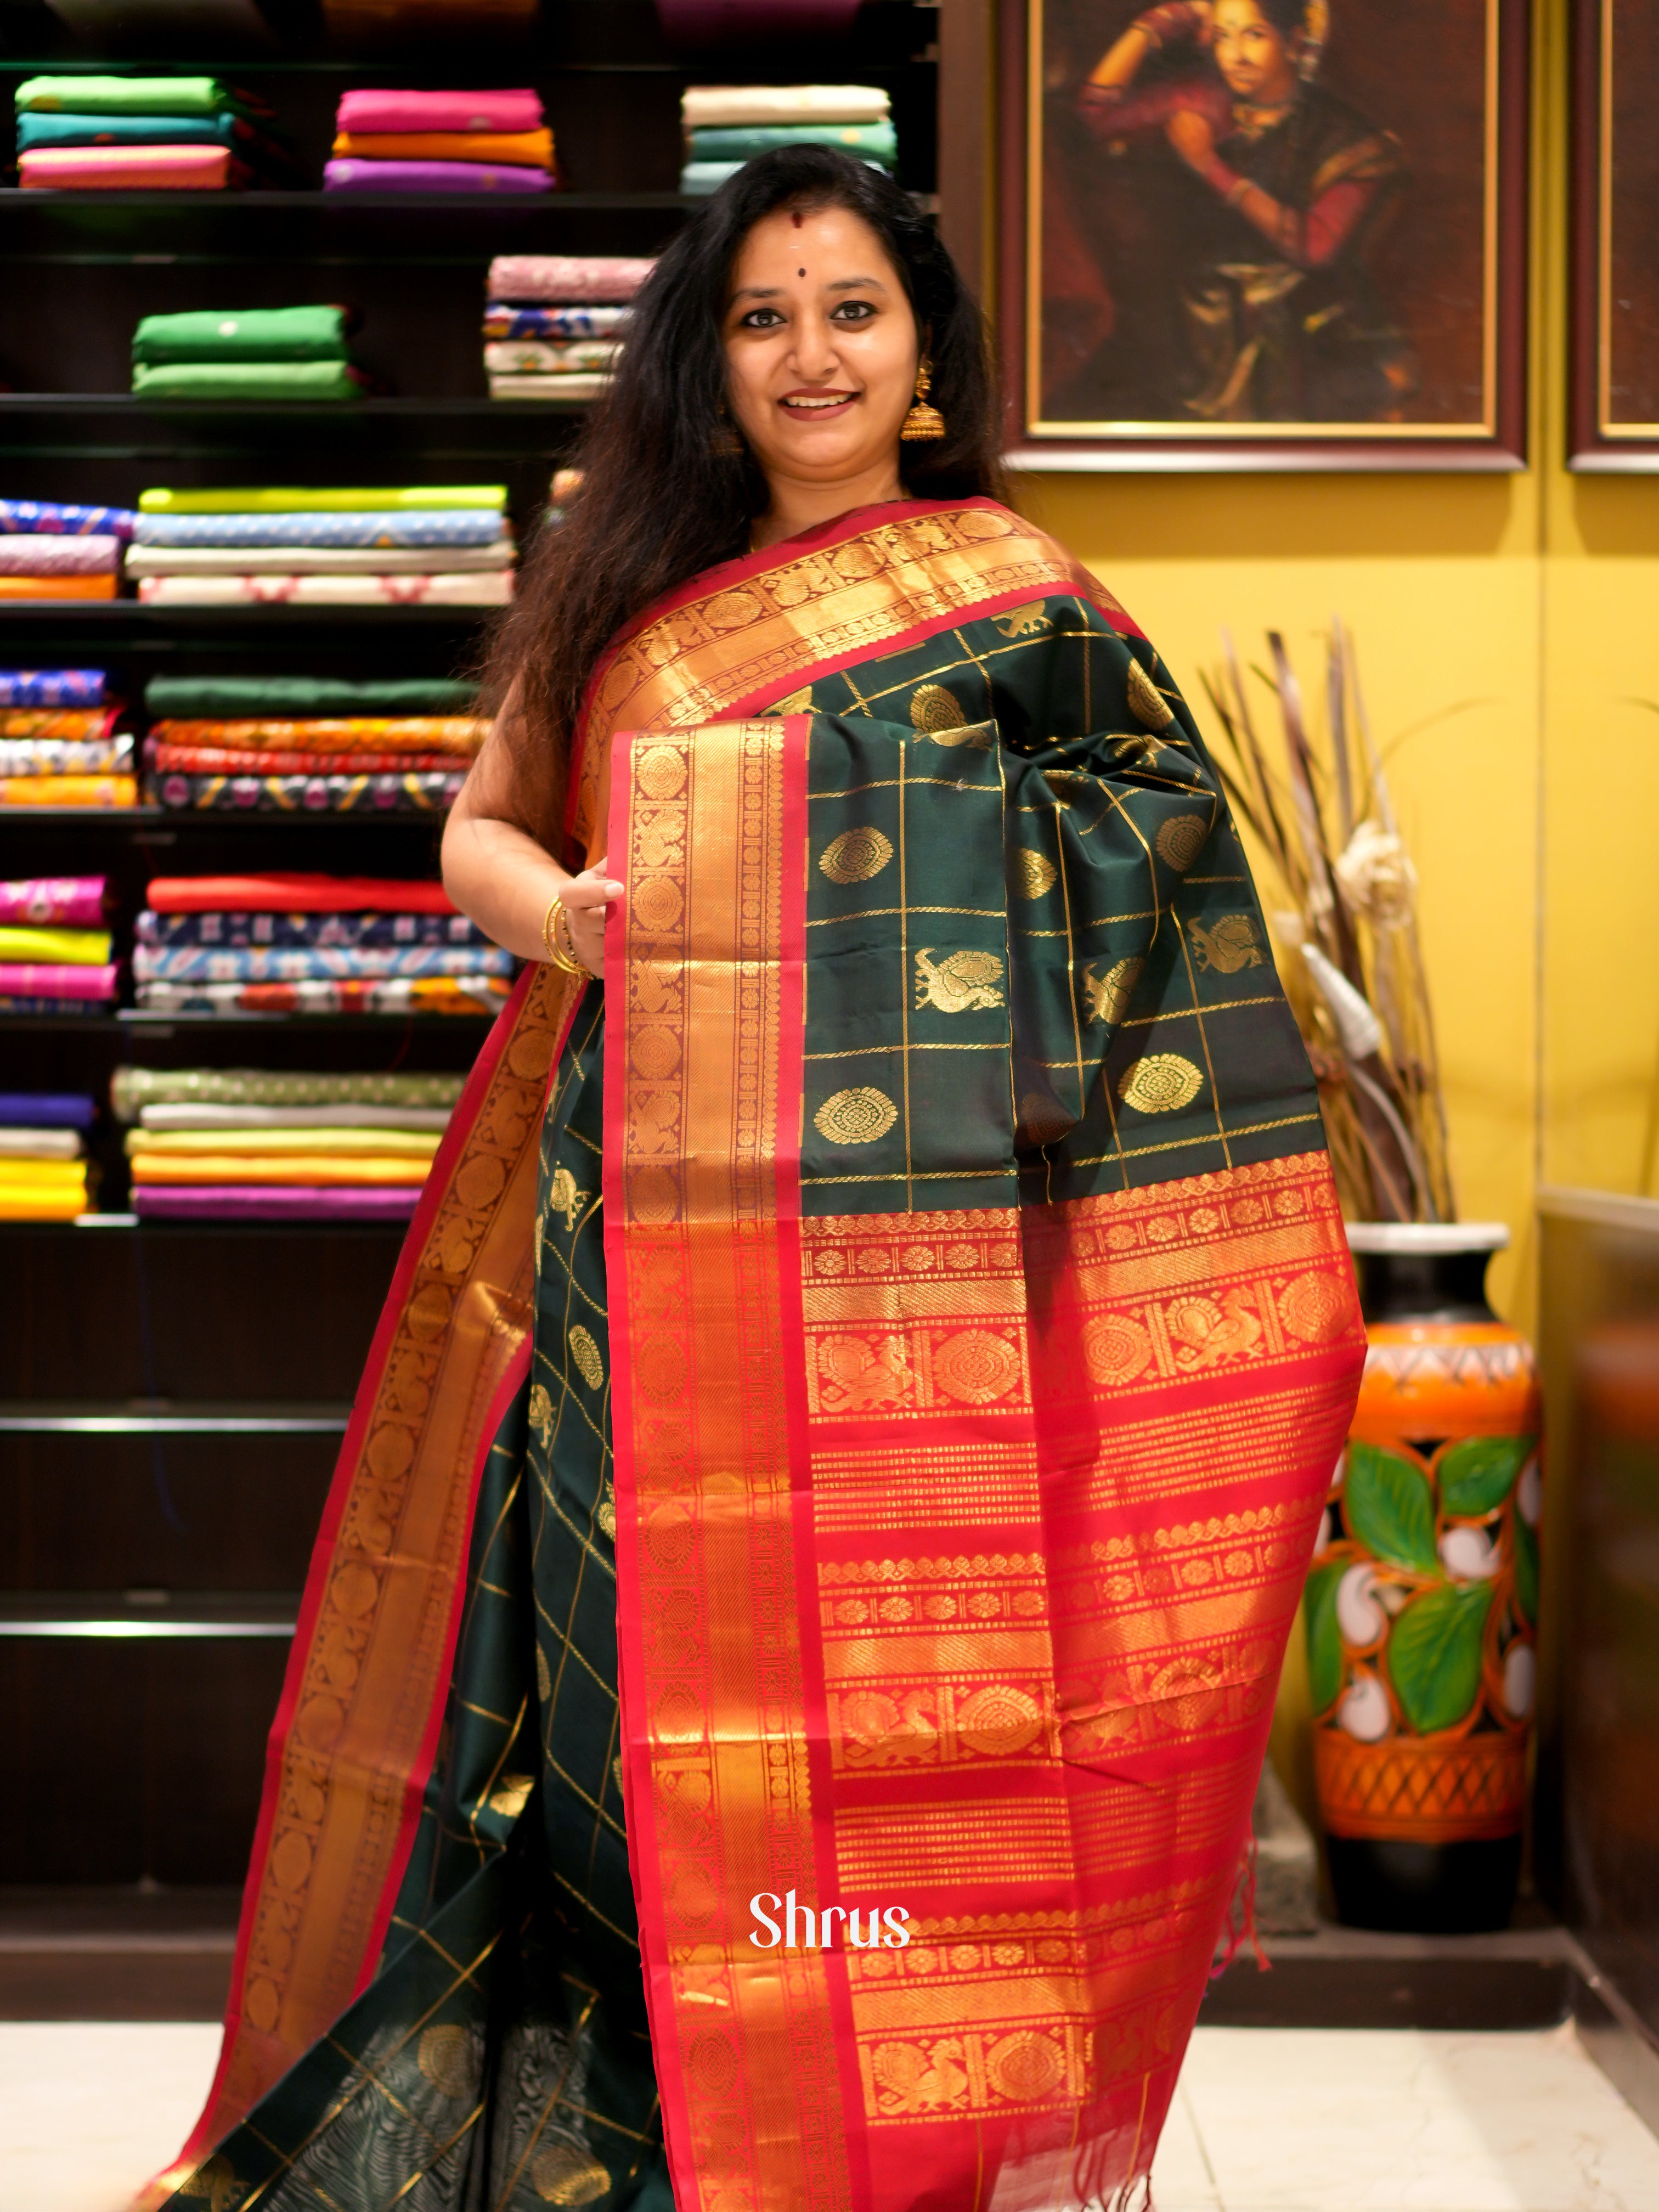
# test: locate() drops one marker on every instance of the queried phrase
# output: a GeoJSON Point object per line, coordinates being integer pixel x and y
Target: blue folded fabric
{"type": "Point", "coordinates": [46, 1110]}
{"type": "Point", "coordinates": [40, 129]}
{"type": "Point", "coordinates": [257, 929]}
{"type": "Point", "coordinates": [30, 517]}
{"type": "Point", "coordinates": [51, 686]}
{"type": "Point", "coordinates": [298, 963]}
{"type": "Point", "coordinates": [459, 525]}
{"type": "Point", "coordinates": [504, 320]}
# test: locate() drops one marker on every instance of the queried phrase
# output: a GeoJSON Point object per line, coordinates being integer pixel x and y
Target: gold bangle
{"type": "Point", "coordinates": [557, 956]}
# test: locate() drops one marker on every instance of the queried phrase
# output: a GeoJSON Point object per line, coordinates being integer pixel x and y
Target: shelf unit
{"type": "Point", "coordinates": [173, 1394]}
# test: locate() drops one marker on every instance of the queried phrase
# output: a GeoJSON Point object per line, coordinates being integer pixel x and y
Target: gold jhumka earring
{"type": "Point", "coordinates": [922, 421]}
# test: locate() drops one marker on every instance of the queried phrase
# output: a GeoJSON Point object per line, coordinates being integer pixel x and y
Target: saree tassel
{"type": "Point", "coordinates": [1241, 1927]}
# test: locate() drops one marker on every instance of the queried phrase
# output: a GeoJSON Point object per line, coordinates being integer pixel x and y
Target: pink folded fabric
{"type": "Point", "coordinates": [37, 553]}
{"type": "Point", "coordinates": [75, 901]}
{"type": "Point", "coordinates": [129, 169]}
{"type": "Point", "coordinates": [42, 979]}
{"type": "Point", "coordinates": [275, 1201]}
{"type": "Point", "coordinates": [590, 278]}
{"type": "Point", "coordinates": [486, 587]}
{"type": "Point", "coordinates": [377, 110]}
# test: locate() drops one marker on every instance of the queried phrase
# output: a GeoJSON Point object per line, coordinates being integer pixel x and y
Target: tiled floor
{"type": "Point", "coordinates": [1267, 2120]}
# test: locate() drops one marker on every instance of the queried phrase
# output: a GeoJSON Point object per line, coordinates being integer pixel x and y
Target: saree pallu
{"type": "Point", "coordinates": [797, 1623]}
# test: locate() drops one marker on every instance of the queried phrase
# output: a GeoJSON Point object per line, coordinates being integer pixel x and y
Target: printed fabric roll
{"type": "Point", "coordinates": [187, 964]}
{"type": "Point", "coordinates": [54, 980]}
{"type": "Point", "coordinates": [129, 169]}
{"type": "Point", "coordinates": [553, 325]}
{"type": "Point", "coordinates": [47, 1109]}
{"type": "Point", "coordinates": [420, 995]}
{"type": "Point", "coordinates": [372, 110]}
{"type": "Point", "coordinates": [68, 791]}
{"type": "Point", "coordinates": [62, 724]}
{"type": "Point", "coordinates": [272, 1202]}
{"type": "Point", "coordinates": [313, 561]}
{"type": "Point", "coordinates": [133, 1089]}
{"type": "Point", "coordinates": [461, 734]}
{"type": "Point", "coordinates": [58, 587]}
{"type": "Point", "coordinates": [491, 588]}
{"type": "Point", "coordinates": [557, 279]}
{"type": "Point", "coordinates": [287, 498]}
{"type": "Point", "coordinates": [47, 554]}
{"type": "Point", "coordinates": [77, 901]}
{"type": "Point", "coordinates": [36, 517]}
{"type": "Point", "coordinates": [262, 931]}
{"type": "Point", "coordinates": [460, 525]}
{"type": "Point", "coordinates": [54, 945]}
{"type": "Point", "coordinates": [305, 380]}
{"type": "Point", "coordinates": [297, 894]}
{"type": "Point", "coordinates": [520, 149]}
{"type": "Point", "coordinates": [349, 176]}
{"type": "Point", "coordinates": [33, 1002]}
{"type": "Point", "coordinates": [877, 142]}
{"type": "Point", "coordinates": [533, 356]}
{"type": "Point", "coordinates": [698, 26]}
{"type": "Point", "coordinates": [434, 1119]}
{"type": "Point", "coordinates": [252, 334]}
{"type": "Point", "coordinates": [722, 106]}
{"type": "Point", "coordinates": [225, 760]}
{"type": "Point", "coordinates": [365, 706]}
{"type": "Point", "coordinates": [65, 756]}
{"type": "Point", "coordinates": [51, 686]}
{"type": "Point", "coordinates": [310, 795]}
{"type": "Point", "coordinates": [129, 96]}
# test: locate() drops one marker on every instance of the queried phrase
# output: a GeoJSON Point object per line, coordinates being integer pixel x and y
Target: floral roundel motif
{"type": "Point", "coordinates": [1316, 1308]}
{"type": "Point", "coordinates": [933, 708]}
{"type": "Point", "coordinates": [1146, 702]}
{"type": "Point", "coordinates": [1115, 1349]}
{"type": "Point", "coordinates": [1024, 2066]}
{"type": "Point", "coordinates": [658, 903]}
{"type": "Point", "coordinates": [855, 856]}
{"type": "Point", "coordinates": [997, 1721]}
{"type": "Point", "coordinates": [447, 2057]}
{"type": "Point", "coordinates": [562, 2174]}
{"type": "Point", "coordinates": [661, 773]}
{"type": "Point", "coordinates": [655, 1054]}
{"type": "Point", "coordinates": [585, 1354]}
{"type": "Point", "coordinates": [1033, 877]}
{"type": "Point", "coordinates": [1160, 1083]}
{"type": "Point", "coordinates": [1180, 840]}
{"type": "Point", "coordinates": [976, 1367]}
{"type": "Point", "coordinates": [855, 1117]}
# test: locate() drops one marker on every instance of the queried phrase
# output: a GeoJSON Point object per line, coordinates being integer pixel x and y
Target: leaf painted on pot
{"type": "Point", "coordinates": [1324, 1638]}
{"type": "Point", "coordinates": [1434, 1654]}
{"type": "Point", "coordinates": [1388, 1505]}
{"type": "Point", "coordinates": [1525, 1570]}
{"type": "Point", "coordinates": [1478, 1475]}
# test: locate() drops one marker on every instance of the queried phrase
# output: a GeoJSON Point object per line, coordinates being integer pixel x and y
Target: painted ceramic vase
{"type": "Point", "coordinates": [1422, 1600]}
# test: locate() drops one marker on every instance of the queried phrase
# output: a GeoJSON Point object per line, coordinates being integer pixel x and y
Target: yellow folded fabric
{"type": "Point", "coordinates": [77, 948]}
{"type": "Point", "coordinates": [527, 150]}
{"type": "Point", "coordinates": [373, 1143]}
{"type": "Point", "coordinates": [44, 1175]}
{"type": "Point", "coordinates": [40, 1205]}
{"type": "Point", "coordinates": [68, 790]}
{"type": "Point", "coordinates": [255, 1168]}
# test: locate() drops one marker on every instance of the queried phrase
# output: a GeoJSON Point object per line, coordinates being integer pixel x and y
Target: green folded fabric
{"type": "Point", "coordinates": [300, 698]}
{"type": "Point", "coordinates": [877, 142]}
{"type": "Point", "coordinates": [262, 335]}
{"type": "Point", "coordinates": [51, 129]}
{"type": "Point", "coordinates": [284, 499]}
{"type": "Point", "coordinates": [124, 96]}
{"type": "Point", "coordinates": [247, 379]}
{"type": "Point", "coordinates": [133, 1089]}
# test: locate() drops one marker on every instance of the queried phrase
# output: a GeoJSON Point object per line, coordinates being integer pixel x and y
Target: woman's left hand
{"type": "Point", "coordinates": [1191, 135]}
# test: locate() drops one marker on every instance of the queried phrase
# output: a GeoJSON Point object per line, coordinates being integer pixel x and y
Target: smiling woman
{"type": "Point", "coordinates": [827, 1348]}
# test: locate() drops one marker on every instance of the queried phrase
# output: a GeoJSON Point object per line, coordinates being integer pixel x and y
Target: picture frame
{"type": "Point", "coordinates": [1613, 372]}
{"type": "Point", "coordinates": [1333, 278]}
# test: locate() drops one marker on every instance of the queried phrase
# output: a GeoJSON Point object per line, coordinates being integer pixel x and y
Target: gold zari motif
{"type": "Point", "coordinates": [1160, 1082]}
{"type": "Point", "coordinates": [855, 1117]}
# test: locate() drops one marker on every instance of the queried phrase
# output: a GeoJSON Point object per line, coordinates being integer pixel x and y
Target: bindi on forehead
{"type": "Point", "coordinates": [800, 273]}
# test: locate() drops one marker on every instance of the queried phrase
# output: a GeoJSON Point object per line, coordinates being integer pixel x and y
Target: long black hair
{"type": "Point", "coordinates": [658, 502]}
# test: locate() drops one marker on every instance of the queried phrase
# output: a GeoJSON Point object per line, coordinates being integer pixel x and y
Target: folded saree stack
{"type": "Point", "coordinates": [727, 125]}
{"type": "Point", "coordinates": [312, 944]}
{"type": "Point", "coordinates": [555, 322]}
{"type": "Point", "coordinates": [43, 1165]}
{"type": "Point", "coordinates": [50, 551]}
{"type": "Point", "coordinates": [389, 140]}
{"type": "Point", "coordinates": [441, 545]}
{"type": "Point", "coordinates": [55, 947]}
{"type": "Point", "coordinates": [256, 1144]}
{"type": "Point", "coordinates": [147, 134]}
{"type": "Point", "coordinates": [59, 745]}
{"type": "Point", "coordinates": [251, 354]}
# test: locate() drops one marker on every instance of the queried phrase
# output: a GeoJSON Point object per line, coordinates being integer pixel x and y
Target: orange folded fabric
{"type": "Point", "coordinates": [529, 149]}
{"type": "Point", "coordinates": [255, 1167]}
{"type": "Point", "coordinates": [57, 587]}
{"type": "Point", "coordinates": [461, 734]}
{"type": "Point", "coordinates": [68, 790]}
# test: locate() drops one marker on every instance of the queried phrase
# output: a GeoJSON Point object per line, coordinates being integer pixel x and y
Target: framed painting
{"type": "Point", "coordinates": [1265, 234]}
{"type": "Point", "coordinates": [1615, 383]}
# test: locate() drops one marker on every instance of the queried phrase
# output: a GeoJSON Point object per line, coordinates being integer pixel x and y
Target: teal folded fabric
{"type": "Point", "coordinates": [699, 179]}
{"type": "Point", "coordinates": [36, 130]}
{"type": "Point", "coordinates": [247, 379]}
{"type": "Point", "coordinates": [263, 335]}
{"type": "Point", "coordinates": [877, 142]}
{"type": "Point", "coordinates": [124, 96]}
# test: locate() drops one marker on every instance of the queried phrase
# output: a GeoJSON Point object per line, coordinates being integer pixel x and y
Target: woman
{"type": "Point", "coordinates": [861, 1759]}
{"type": "Point", "coordinates": [1241, 294]}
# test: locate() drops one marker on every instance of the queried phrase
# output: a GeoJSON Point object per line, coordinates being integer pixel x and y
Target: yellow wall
{"type": "Point", "coordinates": [1517, 615]}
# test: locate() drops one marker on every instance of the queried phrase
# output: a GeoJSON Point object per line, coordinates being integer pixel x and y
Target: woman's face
{"type": "Point", "coordinates": [822, 347]}
{"type": "Point", "coordinates": [1255, 58]}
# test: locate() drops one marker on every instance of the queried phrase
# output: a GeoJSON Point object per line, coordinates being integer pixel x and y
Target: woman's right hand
{"type": "Point", "coordinates": [587, 898]}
